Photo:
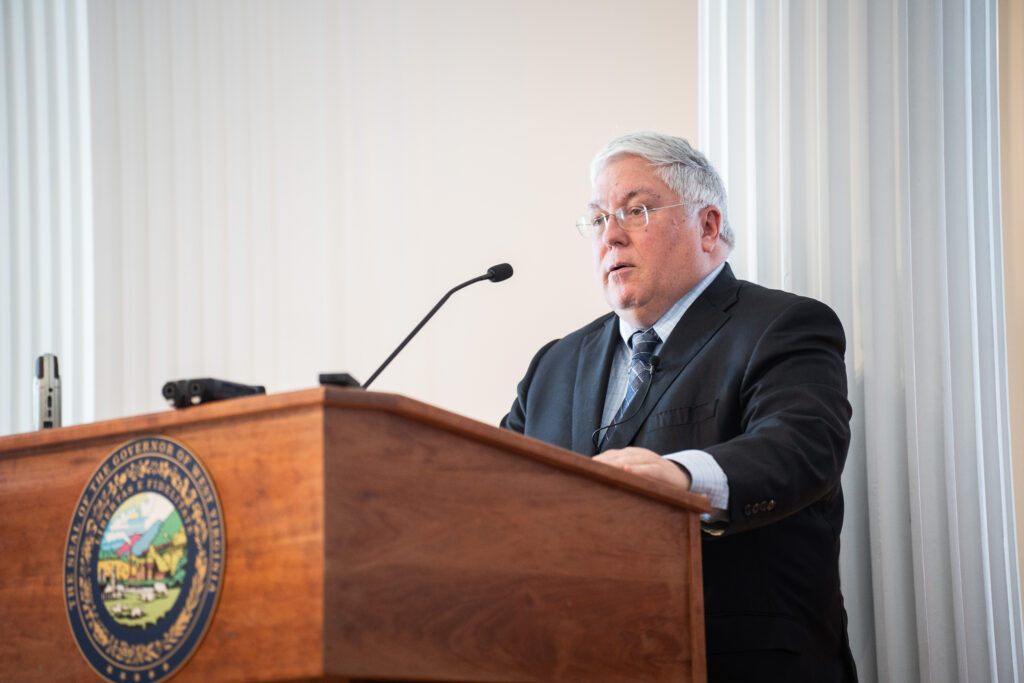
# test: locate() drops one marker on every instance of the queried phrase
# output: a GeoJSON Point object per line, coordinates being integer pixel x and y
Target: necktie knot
{"type": "Point", "coordinates": [644, 343]}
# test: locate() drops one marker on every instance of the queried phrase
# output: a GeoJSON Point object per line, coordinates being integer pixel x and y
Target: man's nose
{"type": "Point", "coordinates": [614, 233]}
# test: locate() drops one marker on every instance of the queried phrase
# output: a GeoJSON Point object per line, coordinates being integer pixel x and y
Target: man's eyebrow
{"type": "Point", "coordinates": [630, 195]}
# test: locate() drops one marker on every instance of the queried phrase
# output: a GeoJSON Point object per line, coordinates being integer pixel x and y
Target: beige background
{"type": "Point", "coordinates": [282, 192]}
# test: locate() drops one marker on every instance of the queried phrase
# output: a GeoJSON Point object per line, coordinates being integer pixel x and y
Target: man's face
{"type": "Point", "coordinates": [644, 271]}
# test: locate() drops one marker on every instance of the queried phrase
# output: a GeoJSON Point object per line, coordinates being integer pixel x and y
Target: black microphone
{"type": "Point", "coordinates": [502, 271]}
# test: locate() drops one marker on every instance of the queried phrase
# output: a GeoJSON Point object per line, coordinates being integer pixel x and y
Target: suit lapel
{"type": "Point", "coordinates": [695, 329]}
{"type": "Point", "coordinates": [592, 372]}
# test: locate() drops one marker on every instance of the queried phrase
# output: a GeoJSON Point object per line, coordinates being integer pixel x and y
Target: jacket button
{"type": "Point", "coordinates": [771, 505]}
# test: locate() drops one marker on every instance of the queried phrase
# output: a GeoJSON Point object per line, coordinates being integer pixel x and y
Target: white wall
{"type": "Point", "coordinates": [286, 188]}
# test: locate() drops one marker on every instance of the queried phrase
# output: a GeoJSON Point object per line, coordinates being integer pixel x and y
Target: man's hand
{"type": "Point", "coordinates": [646, 463]}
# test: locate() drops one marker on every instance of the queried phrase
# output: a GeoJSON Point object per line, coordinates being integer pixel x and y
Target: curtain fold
{"type": "Point", "coordinates": [46, 266]}
{"type": "Point", "coordinates": [859, 142]}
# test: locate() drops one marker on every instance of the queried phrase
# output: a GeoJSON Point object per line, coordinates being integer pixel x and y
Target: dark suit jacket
{"type": "Point", "coordinates": [756, 378]}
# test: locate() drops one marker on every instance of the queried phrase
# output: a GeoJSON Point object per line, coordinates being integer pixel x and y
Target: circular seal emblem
{"type": "Point", "coordinates": [144, 560]}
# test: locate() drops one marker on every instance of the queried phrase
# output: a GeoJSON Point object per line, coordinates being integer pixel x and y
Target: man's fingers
{"type": "Point", "coordinates": [646, 463]}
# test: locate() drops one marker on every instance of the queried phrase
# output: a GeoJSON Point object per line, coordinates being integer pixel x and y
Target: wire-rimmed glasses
{"type": "Point", "coordinates": [629, 217]}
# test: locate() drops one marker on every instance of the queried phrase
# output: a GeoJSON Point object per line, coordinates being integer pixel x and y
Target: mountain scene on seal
{"type": "Point", "coordinates": [142, 560]}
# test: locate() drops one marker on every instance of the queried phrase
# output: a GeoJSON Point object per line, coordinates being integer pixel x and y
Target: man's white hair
{"type": "Point", "coordinates": [685, 170]}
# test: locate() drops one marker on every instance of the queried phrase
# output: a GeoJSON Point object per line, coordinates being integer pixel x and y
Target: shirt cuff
{"type": "Point", "coordinates": [706, 477]}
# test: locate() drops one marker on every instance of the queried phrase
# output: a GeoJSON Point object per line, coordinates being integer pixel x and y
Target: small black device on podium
{"type": "Point", "coordinates": [182, 393]}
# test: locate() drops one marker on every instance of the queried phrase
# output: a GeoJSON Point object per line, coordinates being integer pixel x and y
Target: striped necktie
{"type": "Point", "coordinates": [644, 344]}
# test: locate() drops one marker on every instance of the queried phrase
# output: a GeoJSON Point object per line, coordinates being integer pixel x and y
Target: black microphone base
{"type": "Point", "coordinates": [339, 379]}
{"type": "Point", "coordinates": [183, 393]}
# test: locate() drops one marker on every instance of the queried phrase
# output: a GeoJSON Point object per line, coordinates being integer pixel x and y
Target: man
{"type": "Point", "coordinates": [714, 385]}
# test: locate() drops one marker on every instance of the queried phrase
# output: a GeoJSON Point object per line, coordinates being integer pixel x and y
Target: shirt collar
{"type": "Point", "coordinates": [667, 322]}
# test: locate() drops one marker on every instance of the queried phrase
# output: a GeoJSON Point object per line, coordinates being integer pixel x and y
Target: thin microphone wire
{"type": "Point", "coordinates": [634, 405]}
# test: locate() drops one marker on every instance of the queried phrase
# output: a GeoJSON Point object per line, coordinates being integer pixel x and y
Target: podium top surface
{"type": "Point", "coordinates": [331, 397]}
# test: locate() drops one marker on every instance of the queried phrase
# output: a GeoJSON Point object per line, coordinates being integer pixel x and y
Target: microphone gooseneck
{"type": "Point", "coordinates": [502, 271]}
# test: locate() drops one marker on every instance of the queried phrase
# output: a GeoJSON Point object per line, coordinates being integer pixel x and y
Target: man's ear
{"type": "Point", "coordinates": [710, 227]}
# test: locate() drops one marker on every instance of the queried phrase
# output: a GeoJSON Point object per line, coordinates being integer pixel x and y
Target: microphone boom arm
{"type": "Point", "coordinates": [496, 273]}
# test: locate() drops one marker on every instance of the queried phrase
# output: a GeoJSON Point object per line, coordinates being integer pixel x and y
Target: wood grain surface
{"type": "Point", "coordinates": [370, 536]}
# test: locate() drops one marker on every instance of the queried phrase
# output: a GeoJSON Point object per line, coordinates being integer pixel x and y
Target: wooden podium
{"type": "Point", "coordinates": [371, 536]}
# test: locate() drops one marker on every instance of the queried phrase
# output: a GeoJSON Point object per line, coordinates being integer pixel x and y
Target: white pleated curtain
{"type": "Point", "coordinates": [859, 143]}
{"type": "Point", "coordinates": [46, 299]}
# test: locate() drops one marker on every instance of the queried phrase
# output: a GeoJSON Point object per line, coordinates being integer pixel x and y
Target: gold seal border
{"type": "Point", "coordinates": [198, 488]}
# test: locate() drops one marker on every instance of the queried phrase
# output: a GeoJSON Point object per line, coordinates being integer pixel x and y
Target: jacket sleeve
{"type": "Point", "coordinates": [794, 419]}
{"type": "Point", "coordinates": [515, 420]}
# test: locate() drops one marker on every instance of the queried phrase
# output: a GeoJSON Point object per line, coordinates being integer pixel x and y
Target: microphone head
{"type": "Point", "coordinates": [502, 271]}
